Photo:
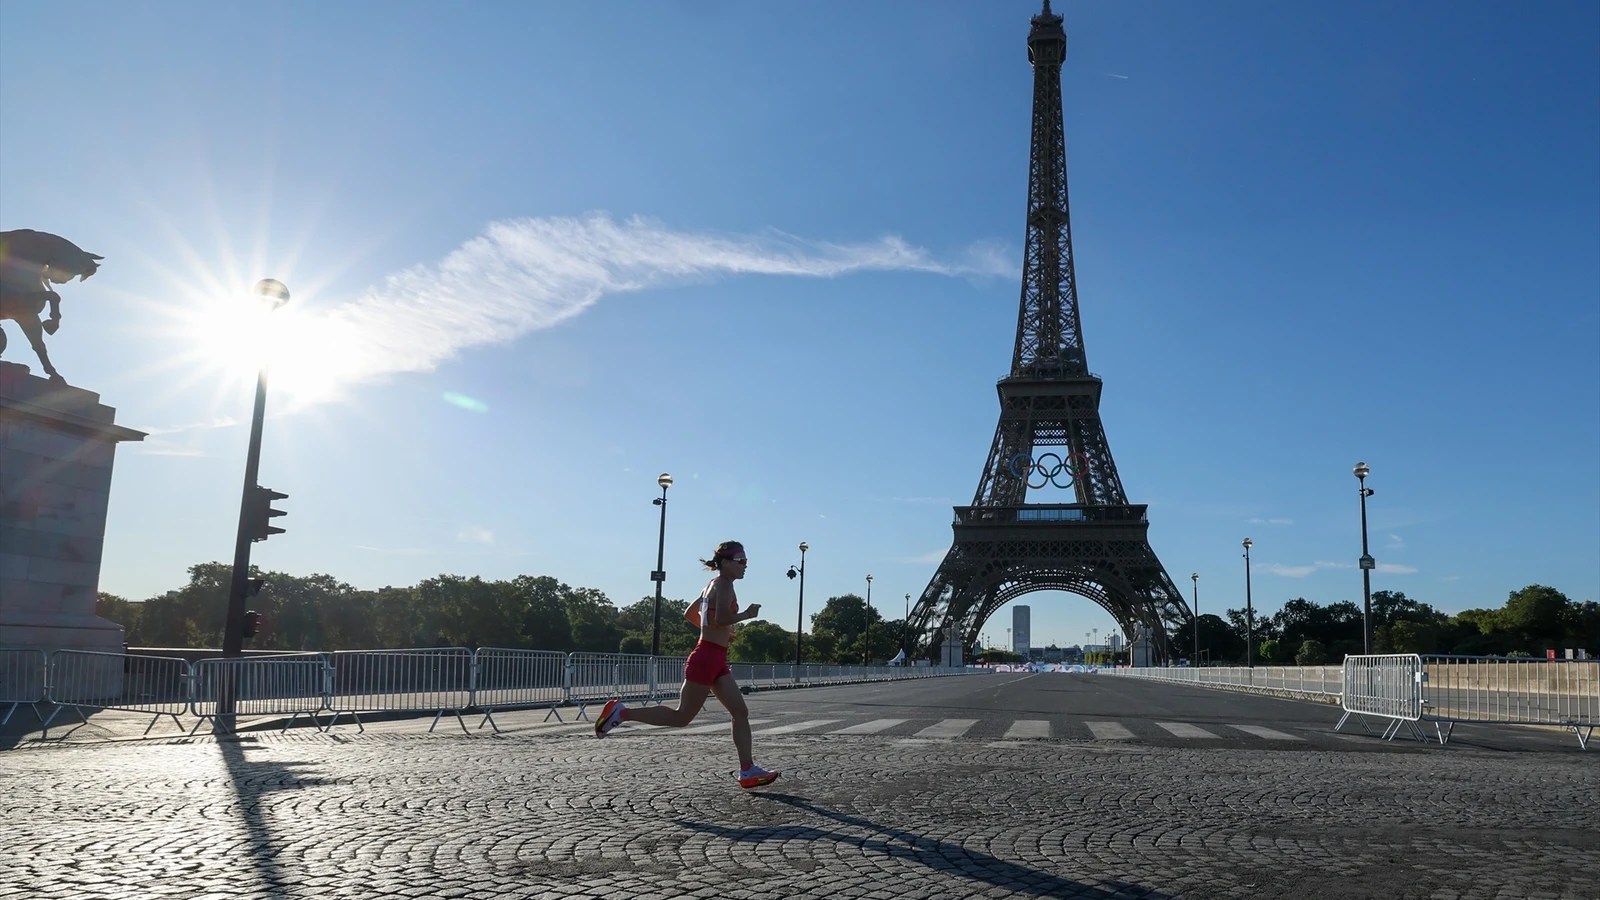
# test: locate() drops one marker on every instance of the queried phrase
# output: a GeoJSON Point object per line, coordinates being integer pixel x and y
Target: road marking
{"type": "Point", "coordinates": [637, 728]}
{"type": "Point", "coordinates": [797, 726]}
{"type": "Point", "coordinates": [1185, 730]}
{"type": "Point", "coordinates": [1109, 731]}
{"type": "Point", "coordinates": [1028, 728]}
{"type": "Point", "coordinates": [948, 728]}
{"type": "Point", "coordinates": [1268, 733]}
{"type": "Point", "coordinates": [873, 727]}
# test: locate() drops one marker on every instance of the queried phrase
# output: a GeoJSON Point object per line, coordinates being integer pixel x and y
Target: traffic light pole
{"type": "Point", "coordinates": [233, 631]}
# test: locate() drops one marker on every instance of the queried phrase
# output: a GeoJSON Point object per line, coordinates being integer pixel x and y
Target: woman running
{"type": "Point", "coordinates": [707, 670]}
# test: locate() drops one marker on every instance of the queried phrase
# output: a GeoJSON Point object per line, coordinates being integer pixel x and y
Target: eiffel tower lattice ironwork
{"type": "Point", "coordinates": [1005, 545]}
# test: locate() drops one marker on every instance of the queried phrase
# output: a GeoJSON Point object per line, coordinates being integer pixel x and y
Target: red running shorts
{"type": "Point", "coordinates": [707, 663]}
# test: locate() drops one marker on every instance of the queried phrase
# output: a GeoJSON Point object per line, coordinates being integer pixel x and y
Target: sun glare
{"type": "Point", "coordinates": [306, 359]}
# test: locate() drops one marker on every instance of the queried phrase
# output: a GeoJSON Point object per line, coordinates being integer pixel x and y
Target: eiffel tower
{"type": "Point", "coordinates": [1006, 543]}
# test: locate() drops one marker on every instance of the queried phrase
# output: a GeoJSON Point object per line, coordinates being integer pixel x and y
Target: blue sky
{"type": "Point", "coordinates": [542, 252]}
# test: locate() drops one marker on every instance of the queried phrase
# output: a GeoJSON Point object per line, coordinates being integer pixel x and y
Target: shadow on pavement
{"type": "Point", "coordinates": [942, 856]}
{"type": "Point", "coordinates": [251, 780]}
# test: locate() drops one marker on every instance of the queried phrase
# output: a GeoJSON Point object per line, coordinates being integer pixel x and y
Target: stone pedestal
{"type": "Point", "coordinates": [56, 447]}
{"type": "Point", "coordinates": [1141, 650]}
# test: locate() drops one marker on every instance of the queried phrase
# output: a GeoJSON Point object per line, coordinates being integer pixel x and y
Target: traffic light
{"type": "Point", "coordinates": [261, 512]}
{"type": "Point", "coordinates": [252, 624]}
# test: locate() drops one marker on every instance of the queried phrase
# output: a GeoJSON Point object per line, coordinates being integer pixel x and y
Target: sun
{"type": "Point", "coordinates": [308, 357]}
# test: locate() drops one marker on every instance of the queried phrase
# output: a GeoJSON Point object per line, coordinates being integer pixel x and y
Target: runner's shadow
{"type": "Point", "coordinates": [941, 856]}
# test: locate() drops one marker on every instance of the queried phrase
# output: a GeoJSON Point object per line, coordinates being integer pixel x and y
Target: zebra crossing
{"type": "Point", "coordinates": [950, 729]}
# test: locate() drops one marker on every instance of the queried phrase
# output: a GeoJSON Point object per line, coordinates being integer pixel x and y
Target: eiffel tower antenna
{"type": "Point", "coordinates": [1083, 537]}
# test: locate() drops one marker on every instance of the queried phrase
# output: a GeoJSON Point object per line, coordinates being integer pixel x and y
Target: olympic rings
{"type": "Point", "coordinates": [1048, 469]}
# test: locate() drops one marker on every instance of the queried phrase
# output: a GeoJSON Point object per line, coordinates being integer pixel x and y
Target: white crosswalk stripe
{"type": "Point", "coordinates": [797, 726]}
{"type": "Point", "coordinates": [1268, 733]}
{"type": "Point", "coordinates": [873, 727]}
{"type": "Point", "coordinates": [1109, 731]}
{"type": "Point", "coordinates": [947, 728]}
{"type": "Point", "coordinates": [943, 729]}
{"type": "Point", "coordinates": [1022, 729]}
{"type": "Point", "coordinates": [1185, 730]}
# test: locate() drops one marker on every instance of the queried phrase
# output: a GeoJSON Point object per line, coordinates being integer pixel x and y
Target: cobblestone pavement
{"type": "Point", "coordinates": [561, 815]}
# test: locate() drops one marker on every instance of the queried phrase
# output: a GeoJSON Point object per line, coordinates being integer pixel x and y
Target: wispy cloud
{"type": "Point", "coordinates": [1302, 571]}
{"type": "Point", "coordinates": [1396, 542]}
{"type": "Point", "coordinates": [524, 275]}
{"type": "Point", "coordinates": [1114, 75]}
{"type": "Point", "coordinates": [167, 448]}
{"type": "Point", "coordinates": [475, 535]}
{"type": "Point", "coordinates": [1396, 569]}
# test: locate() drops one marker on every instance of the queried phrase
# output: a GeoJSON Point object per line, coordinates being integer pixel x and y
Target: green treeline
{"type": "Point", "coordinates": [1535, 619]}
{"type": "Point", "coordinates": [318, 612]}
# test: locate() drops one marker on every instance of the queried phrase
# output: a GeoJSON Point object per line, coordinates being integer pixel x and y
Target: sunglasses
{"type": "Point", "coordinates": [740, 560]}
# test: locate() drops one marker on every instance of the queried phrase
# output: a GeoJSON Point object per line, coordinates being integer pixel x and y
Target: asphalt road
{"type": "Point", "coordinates": [989, 785]}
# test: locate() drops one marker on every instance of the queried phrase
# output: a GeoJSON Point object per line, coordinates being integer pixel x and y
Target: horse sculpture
{"type": "Point", "coordinates": [30, 261]}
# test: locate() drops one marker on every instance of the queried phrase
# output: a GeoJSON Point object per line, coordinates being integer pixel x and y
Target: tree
{"type": "Point", "coordinates": [1267, 652]}
{"type": "Point", "coordinates": [762, 642]}
{"type": "Point", "coordinates": [1311, 653]}
{"type": "Point", "coordinates": [1539, 615]}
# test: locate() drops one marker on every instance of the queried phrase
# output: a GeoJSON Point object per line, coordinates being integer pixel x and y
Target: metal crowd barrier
{"type": "Point", "coordinates": [22, 680]}
{"type": "Point", "coordinates": [1313, 681]}
{"type": "Point", "coordinates": [293, 685]}
{"type": "Point", "coordinates": [373, 681]}
{"type": "Point", "coordinates": [511, 679]}
{"type": "Point", "coordinates": [352, 682]}
{"type": "Point", "coordinates": [1500, 690]}
{"type": "Point", "coordinates": [154, 685]}
{"type": "Point", "coordinates": [1387, 686]}
{"type": "Point", "coordinates": [597, 677]}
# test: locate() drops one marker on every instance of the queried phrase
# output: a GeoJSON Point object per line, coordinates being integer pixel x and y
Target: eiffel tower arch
{"type": "Point", "coordinates": [1050, 513]}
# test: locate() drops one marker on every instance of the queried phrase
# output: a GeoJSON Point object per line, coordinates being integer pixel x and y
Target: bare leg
{"type": "Point", "coordinates": [35, 334]}
{"type": "Point", "coordinates": [727, 691]}
{"type": "Point", "coordinates": [690, 698]}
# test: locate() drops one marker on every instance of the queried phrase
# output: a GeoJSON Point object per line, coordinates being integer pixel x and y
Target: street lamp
{"type": "Point", "coordinates": [905, 633]}
{"type": "Point", "coordinates": [254, 516]}
{"type": "Point", "coordinates": [1195, 577]}
{"type": "Point", "coordinates": [1249, 611]}
{"type": "Point", "coordinates": [800, 618]}
{"type": "Point", "coordinates": [866, 651]}
{"type": "Point", "coordinates": [660, 574]}
{"type": "Point", "coordinates": [270, 294]}
{"type": "Point", "coordinates": [1362, 470]}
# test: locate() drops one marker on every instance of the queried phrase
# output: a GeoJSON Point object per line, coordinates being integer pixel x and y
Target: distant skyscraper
{"type": "Point", "coordinates": [1020, 616]}
{"type": "Point", "coordinates": [1114, 642]}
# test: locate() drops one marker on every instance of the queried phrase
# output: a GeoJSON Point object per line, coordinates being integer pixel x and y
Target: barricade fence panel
{"type": "Point", "coordinates": [422, 679]}
{"type": "Point", "coordinates": [1512, 691]}
{"type": "Point", "coordinates": [1388, 685]}
{"type": "Point", "coordinates": [149, 684]}
{"type": "Point", "coordinates": [510, 678]}
{"type": "Point", "coordinates": [262, 686]}
{"type": "Point", "coordinates": [22, 675]}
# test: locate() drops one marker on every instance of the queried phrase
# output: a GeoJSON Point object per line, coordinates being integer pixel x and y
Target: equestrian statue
{"type": "Point", "coordinates": [30, 262]}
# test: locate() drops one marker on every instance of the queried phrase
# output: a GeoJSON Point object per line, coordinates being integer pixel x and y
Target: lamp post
{"type": "Point", "coordinates": [1362, 470]}
{"type": "Point", "coordinates": [271, 294]}
{"type": "Point", "coordinates": [800, 617]}
{"type": "Point", "coordinates": [1195, 577]}
{"type": "Point", "coordinates": [905, 633]}
{"type": "Point", "coordinates": [660, 574]}
{"type": "Point", "coordinates": [1249, 611]}
{"type": "Point", "coordinates": [866, 651]}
